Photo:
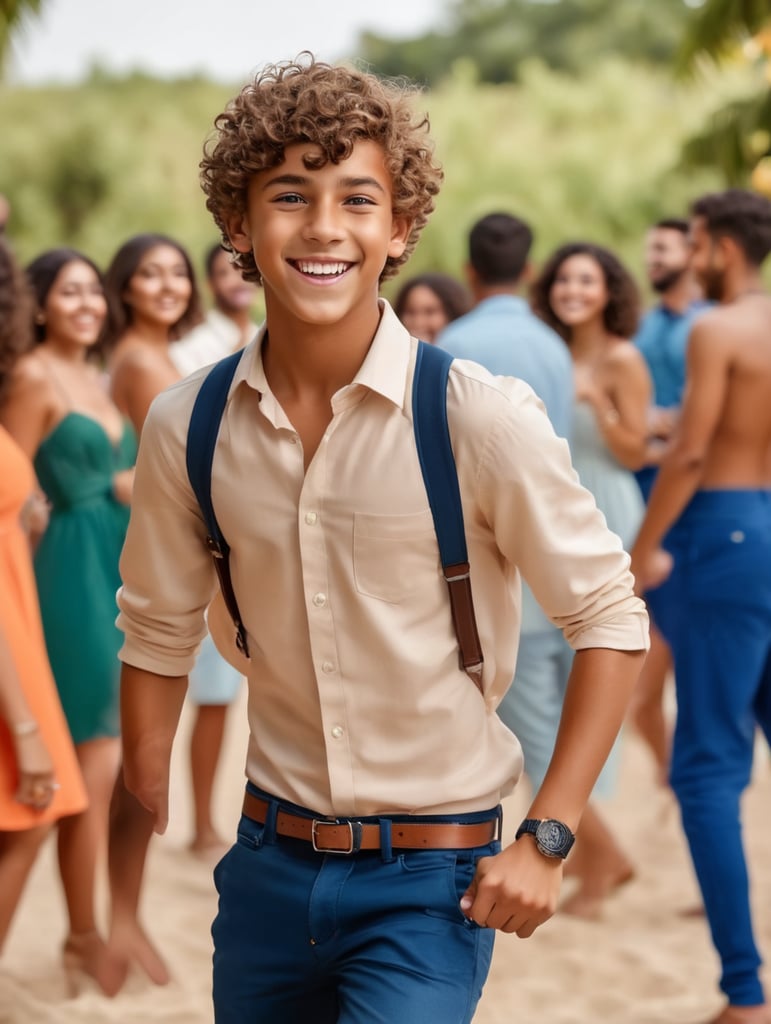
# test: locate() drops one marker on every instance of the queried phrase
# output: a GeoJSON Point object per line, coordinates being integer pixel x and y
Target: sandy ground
{"type": "Point", "coordinates": [644, 963]}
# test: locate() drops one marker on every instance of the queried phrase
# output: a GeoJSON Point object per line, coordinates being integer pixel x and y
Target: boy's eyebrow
{"type": "Point", "coordinates": [299, 180]}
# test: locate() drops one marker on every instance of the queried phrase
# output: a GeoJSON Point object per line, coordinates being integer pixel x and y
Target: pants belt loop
{"type": "Point", "coordinates": [269, 832]}
{"type": "Point", "coordinates": [499, 816]}
{"type": "Point", "coordinates": [386, 851]}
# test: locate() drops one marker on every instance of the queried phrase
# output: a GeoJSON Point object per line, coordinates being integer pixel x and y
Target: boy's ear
{"type": "Point", "coordinates": [237, 228]}
{"type": "Point", "coordinates": [401, 228]}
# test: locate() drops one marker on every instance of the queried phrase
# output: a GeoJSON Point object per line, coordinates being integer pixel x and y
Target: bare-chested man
{"type": "Point", "coordinates": [714, 487]}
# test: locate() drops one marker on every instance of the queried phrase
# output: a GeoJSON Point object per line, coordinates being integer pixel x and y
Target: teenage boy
{"type": "Point", "coordinates": [712, 494]}
{"type": "Point", "coordinates": [367, 879]}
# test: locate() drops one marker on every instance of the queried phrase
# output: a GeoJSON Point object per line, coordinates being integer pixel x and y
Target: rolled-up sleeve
{"type": "Point", "coordinates": [548, 525]}
{"type": "Point", "coordinates": [166, 571]}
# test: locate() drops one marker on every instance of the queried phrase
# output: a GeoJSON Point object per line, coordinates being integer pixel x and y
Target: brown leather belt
{"type": "Point", "coordinates": [351, 836]}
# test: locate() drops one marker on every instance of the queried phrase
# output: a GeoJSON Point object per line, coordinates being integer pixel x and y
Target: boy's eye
{"type": "Point", "coordinates": [360, 201]}
{"type": "Point", "coordinates": [289, 197]}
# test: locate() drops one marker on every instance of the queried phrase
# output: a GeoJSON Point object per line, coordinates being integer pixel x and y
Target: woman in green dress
{"type": "Point", "coordinates": [60, 412]}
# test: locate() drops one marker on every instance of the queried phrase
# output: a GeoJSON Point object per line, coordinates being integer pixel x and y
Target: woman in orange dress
{"type": "Point", "coordinates": [40, 781]}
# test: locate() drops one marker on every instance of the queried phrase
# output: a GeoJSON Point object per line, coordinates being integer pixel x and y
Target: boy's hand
{"type": "Point", "coordinates": [515, 891]}
{"type": "Point", "coordinates": [147, 778]}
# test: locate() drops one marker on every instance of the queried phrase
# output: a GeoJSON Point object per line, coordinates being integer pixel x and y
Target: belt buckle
{"type": "Point", "coordinates": [354, 832]}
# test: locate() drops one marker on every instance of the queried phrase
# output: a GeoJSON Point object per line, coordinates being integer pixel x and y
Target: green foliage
{"type": "Point", "coordinates": [719, 26]}
{"type": "Point", "coordinates": [594, 156]}
{"type": "Point", "coordinates": [13, 16]}
{"type": "Point", "coordinates": [498, 36]}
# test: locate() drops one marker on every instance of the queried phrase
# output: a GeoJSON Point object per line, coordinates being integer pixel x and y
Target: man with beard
{"type": "Point", "coordinates": [662, 340]}
{"type": "Point", "coordinates": [712, 497]}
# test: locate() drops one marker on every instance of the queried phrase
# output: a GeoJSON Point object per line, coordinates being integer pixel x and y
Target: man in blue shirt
{"type": "Point", "coordinates": [504, 336]}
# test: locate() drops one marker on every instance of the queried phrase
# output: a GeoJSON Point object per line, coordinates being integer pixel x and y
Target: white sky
{"type": "Point", "coordinates": [226, 39]}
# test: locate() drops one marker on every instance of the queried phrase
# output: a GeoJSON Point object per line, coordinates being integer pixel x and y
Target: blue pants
{"type": "Point", "coordinates": [720, 635]}
{"type": "Point", "coordinates": [371, 938]}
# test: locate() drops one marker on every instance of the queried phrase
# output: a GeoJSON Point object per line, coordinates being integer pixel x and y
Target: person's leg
{"type": "Point", "coordinates": [646, 711]}
{"type": "Point", "coordinates": [205, 747]}
{"type": "Point", "coordinates": [17, 855]}
{"type": "Point", "coordinates": [213, 687]}
{"type": "Point", "coordinates": [599, 864]}
{"type": "Point", "coordinates": [265, 962]}
{"type": "Point", "coordinates": [720, 650]}
{"type": "Point", "coordinates": [131, 828]}
{"type": "Point", "coordinates": [401, 947]}
{"type": "Point", "coordinates": [81, 843]}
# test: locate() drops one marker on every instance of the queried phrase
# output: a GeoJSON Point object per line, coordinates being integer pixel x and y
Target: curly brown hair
{"type": "Point", "coordinates": [621, 315]}
{"type": "Point", "coordinates": [333, 107]}
{"type": "Point", "coordinates": [15, 315]}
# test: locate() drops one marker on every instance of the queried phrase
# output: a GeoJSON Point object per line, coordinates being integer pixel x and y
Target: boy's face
{"type": "Point", "coordinates": [321, 238]}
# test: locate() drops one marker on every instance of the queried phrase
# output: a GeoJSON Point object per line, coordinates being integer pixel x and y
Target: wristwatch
{"type": "Point", "coordinates": [553, 838]}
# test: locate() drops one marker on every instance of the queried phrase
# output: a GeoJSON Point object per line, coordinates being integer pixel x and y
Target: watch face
{"type": "Point", "coordinates": [554, 838]}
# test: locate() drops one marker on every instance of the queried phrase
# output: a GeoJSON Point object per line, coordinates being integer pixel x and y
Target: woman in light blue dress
{"type": "Point", "coordinates": [591, 300]}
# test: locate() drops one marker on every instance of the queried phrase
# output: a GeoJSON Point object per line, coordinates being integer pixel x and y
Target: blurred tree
{"type": "Point", "coordinates": [13, 14]}
{"type": "Point", "coordinates": [737, 137]}
{"type": "Point", "coordinates": [497, 36]}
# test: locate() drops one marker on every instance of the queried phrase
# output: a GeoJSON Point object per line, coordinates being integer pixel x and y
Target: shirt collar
{"type": "Point", "coordinates": [384, 369]}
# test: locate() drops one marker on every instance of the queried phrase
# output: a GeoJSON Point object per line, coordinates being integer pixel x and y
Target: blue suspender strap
{"type": "Point", "coordinates": [437, 462]}
{"type": "Point", "coordinates": [202, 434]}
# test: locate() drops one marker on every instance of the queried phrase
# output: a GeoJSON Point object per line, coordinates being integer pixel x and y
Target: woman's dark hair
{"type": "Point", "coordinates": [44, 270]}
{"type": "Point", "coordinates": [123, 267]}
{"type": "Point", "coordinates": [454, 297]}
{"type": "Point", "coordinates": [15, 315]}
{"type": "Point", "coordinates": [621, 315]}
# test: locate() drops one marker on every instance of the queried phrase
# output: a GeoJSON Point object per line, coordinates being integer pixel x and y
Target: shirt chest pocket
{"type": "Point", "coordinates": [394, 556]}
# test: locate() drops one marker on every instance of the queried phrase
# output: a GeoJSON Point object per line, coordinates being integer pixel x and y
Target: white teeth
{"type": "Point", "coordinates": [322, 269]}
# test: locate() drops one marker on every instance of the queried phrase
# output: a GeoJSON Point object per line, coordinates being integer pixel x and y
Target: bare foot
{"type": "Point", "coordinates": [744, 1015]}
{"type": "Point", "coordinates": [86, 955]}
{"type": "Point", "coordinates": [129, 944]}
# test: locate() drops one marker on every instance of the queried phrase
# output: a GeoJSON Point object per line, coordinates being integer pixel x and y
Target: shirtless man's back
{"type": "Point", "coordinates": [713, 498]}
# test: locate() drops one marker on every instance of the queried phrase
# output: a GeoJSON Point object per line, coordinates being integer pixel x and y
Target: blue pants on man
{"type": "Point", "coordinates": [720, 634]}
{"type": "Point", "coordinates": [375, 936]}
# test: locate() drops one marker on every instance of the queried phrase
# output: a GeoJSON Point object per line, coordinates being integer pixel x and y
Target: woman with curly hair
{"type": "Point", "coordinates": [585, 294]}
{"type": "Point", "coordinates": [426, 303]}
{"type": "Point", "coordinates": [40, 782]}
{"type": "Point", "coordinates": [59, 411]}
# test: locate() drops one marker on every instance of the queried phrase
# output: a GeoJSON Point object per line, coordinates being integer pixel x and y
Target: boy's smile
{"type": "Point", "coordinates": [321, 236]}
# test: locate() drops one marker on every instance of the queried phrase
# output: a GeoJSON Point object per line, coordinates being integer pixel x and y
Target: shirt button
{"type": "Point", "coordinates": [319, 600]}
{"type": "Point", "coordinates": [311, 518]}
{"type": "Point", "coordinates": [328, 666]}
{"type": "Point", "coordinates": [337, 732]}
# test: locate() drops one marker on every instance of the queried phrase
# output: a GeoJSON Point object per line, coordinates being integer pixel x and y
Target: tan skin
{"type": "Point", "coordinates": [158, 294]}
{"type": "Point", "coordinates": [723, 439]}
{"type": "Point", "coordinates": [36, 788]}
{"type": "Point", "coordinates": [667, 259]}
{"type": "Point", "coordinates": [724, 435]}
{"type": "Point", "coordinates": [52, 382]}
{"type": "Point", "coordinates": [318, 337]}
{"type": "Point", "coordinates": [611, 376]}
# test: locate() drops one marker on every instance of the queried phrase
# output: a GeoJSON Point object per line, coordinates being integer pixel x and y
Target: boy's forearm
{"type": "Point", "coordinates": [150, 710]}
{"type": "Point", "coordinates": [601, 683]}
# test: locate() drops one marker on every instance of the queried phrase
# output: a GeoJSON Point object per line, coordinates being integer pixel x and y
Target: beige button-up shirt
{"type": "Point", "coordinates": [357, 703]}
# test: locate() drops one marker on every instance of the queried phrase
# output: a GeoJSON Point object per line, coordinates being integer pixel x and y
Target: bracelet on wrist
{"type": "Point", "coordinates": [20, 729]}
